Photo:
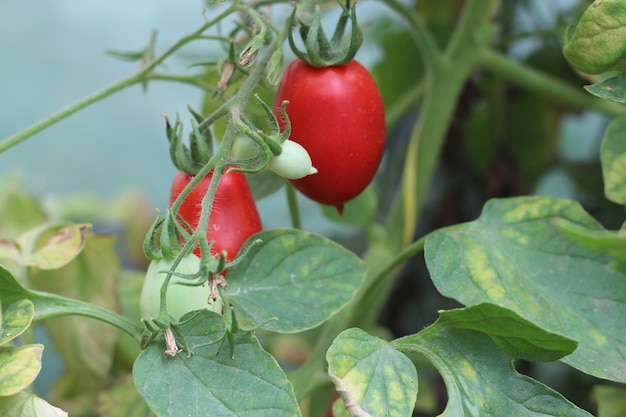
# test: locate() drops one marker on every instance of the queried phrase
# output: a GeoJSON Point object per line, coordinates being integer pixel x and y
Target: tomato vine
{"type": "Point", "coordinates": [509, 269]}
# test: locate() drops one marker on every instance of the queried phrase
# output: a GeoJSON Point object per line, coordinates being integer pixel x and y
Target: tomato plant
{"type": "Point", "coordinates": [337, 115]}
{"type": "Point", "coordinates": [234, 217]}
{"type": "Point", "coordinates": [485, 259]}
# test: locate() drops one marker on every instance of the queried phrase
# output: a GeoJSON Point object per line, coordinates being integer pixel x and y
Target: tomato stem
{"type": "Point", "coordinates": [294, 211]}
{"type": "Point", "coordinates": [141, 76]}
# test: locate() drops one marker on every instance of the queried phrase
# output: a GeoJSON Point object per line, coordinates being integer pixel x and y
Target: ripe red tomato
{"type": "Point", "coordinates": [337, 115]}
{"type": "Point", "coordinates": [234, 216]}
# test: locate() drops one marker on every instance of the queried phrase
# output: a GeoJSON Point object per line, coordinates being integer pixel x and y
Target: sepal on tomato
{"type": "Point", "coordinates": [319, 50]}
{"type": "Point", "coordinates": [150, 247]}
{"type": "Point", "coordinates": [253, 159]}
{"type": "Point", "coordinates": [189, 159]}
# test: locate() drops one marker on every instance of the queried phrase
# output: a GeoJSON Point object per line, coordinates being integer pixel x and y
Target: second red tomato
{"type": "Point", "coordinates": [337, 115]}
{"type": "Point", "coordinates": [234, 216]}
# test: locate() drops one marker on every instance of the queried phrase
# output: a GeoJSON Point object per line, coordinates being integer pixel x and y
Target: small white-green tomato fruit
{"type": "Point", "coordinates": [181, 299]}
{"type": "Point", "coordinates": [293, 163]}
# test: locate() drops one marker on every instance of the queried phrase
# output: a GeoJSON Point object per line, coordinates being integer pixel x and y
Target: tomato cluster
{"type": "Point", "coordinates": [233, 219]}
{"type": "Point", "coordinates": [337, 115]}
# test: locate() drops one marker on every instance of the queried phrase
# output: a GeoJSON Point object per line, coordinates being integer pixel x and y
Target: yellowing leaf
{"type": "Point", "coordinates": [60, 245]}
{"type": "Point", "coordinates": [19, 367]}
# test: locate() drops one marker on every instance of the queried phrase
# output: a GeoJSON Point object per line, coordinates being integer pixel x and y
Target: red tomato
{"type": "Point", "coordinates": [234, 216]}
{"type": "Point", "coordinates": [337, 115]}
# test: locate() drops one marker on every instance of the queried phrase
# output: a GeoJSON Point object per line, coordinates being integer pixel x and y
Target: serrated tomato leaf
{"type": "Point", "coordinates": [211, 381]}
{"type": "Point", "coordinates": [370, 375]}
{"type": "Point", "coordinates": [480, 378]}
{"type": "Point", "coordinates": [516, 257]}
{"type": "Point", "coordinates": [293, 281]}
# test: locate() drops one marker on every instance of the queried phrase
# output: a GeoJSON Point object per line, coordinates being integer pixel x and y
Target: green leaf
{"type": "Point", "coordinates": [597, 43]}
{"type": "Point", "coordinates": [370, 374]}
{"type": "Point", "coordinates": [15, 319]}
{"type": "Point", "coordinates": [480, 378]}
{"type": "Point", "coordinates": [613, 243]}
{"type": "Point", "coordinates": [28, 405]}
{"type": "Point", "coordinates": [613, 158]}
{"type": "Point", "coordinates": [293, 281]}
{"type": "Point", "coordinates": [211, 381]}
{"type": "Point", "coordinates": [514, 256]}
{"type": "Point", "coordinates": [121, 400]}
{"type": "Point", "coordinates": [517, 337]}
{"type": "Point", "coordinates": [19, 367]}
{"type": "Point", "coordinates": [611, 400]}
{"type": "Point", "coordinates": [613, 88]}
{"type": "Point", "coordinates": [54, 246]}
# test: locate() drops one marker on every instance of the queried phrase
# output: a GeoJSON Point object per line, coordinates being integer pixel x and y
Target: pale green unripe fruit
{"type": "Point", "coordinates": [293, 163]}
{"type": "Point", "coordinates": [181, 299]}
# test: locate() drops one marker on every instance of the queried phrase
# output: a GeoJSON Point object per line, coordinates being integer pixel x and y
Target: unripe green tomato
{"type": "Point", "coordinates": [293, 163]}
{"type": "Point", "coordinates": [181, 299]}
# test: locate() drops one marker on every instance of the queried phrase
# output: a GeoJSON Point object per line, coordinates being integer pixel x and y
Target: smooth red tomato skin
{"type": "Point", "coordinates": [337, 115]}
{"type": "Point", "coordinates": [234, 216]}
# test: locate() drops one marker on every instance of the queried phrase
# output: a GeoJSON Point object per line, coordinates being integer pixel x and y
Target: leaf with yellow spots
{"type": "Point", "coordinates": [371, 377]}
{"type": "Point", "coordinates": [213, 382]}
{"type": "Point", "coordinates": [480, 377]}
{"type": "Point", "coordinates": [516, 256]}
{"type": "Point", "coordinates": [293, 281]}
{"type": "Point", "coordinates": [613, 158]}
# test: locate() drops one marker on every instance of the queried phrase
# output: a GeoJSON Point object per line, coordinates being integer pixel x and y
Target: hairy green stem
{"type": "Point", "coordinates": [136, 78]}
{"type": "Point", "coordinates": [196, 81]}
{"type": "Point", "coordinates": [64, 306]}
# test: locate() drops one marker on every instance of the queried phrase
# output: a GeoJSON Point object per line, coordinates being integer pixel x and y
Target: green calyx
{"type": "Point", "coordinates": [319, 50]}
{"type": "Point", "coordinates": [189, 158]}
{"type": "Point", "coordinates": [268, 144]}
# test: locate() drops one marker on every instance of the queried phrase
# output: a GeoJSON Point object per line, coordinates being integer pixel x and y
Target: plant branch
{"type": "Point", "coordinates": [139, 77]}
{"type": "Point", "coordinates": [536, 81]}
{"type": "Point", "coordinates": [58, 306]}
